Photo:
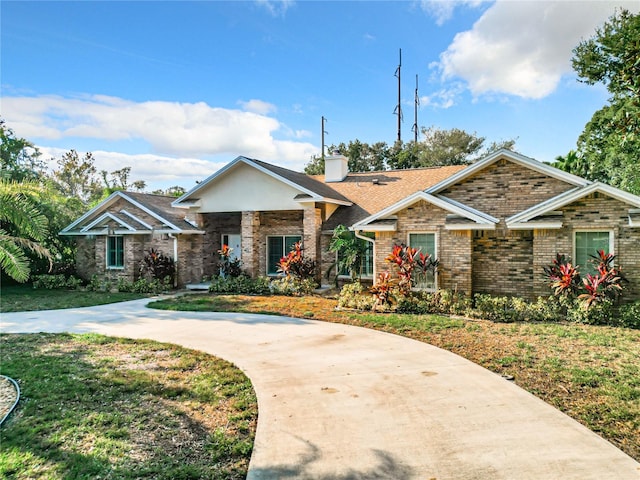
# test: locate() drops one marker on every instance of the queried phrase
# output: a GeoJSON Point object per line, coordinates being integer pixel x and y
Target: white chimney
{"type": "Point", "coordinates": [336, 167]}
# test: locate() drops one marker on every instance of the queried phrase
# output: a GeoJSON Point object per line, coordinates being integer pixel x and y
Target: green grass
{"type": "Point", "coordinates": [100, 407]}
{"type": "Point", "coordinates": [23, 298]}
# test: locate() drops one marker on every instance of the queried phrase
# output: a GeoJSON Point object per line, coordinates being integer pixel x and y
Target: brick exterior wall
{"type": "Point", "coordinates": [288, 222]}
{"type": "Point", "coordinates": [503, 262]}
{"type": "Point", "coordinates": [91, 256]}
{"type": "Point", "coordinates": [505, 188]}
{"type": "Point", "coordinates": [595, 212]}
{"type": "Point", "coordinates": [454, 248]}
{"type": "Point", "coordinates": [215, 225]}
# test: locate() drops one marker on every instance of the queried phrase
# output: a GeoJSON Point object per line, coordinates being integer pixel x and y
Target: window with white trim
{"type": "Point", "coordinates": [587, 243]}
{"type": "Point", "coordinates": [366, 262]}
{"type": "Point", "coordinates": [115, 252]}
{"type": "Point", "coordinates": [426, 243]}
{"type": "Point", "coordinates": [278, 247]}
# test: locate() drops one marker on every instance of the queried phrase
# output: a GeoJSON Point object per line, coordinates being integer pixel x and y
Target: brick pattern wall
{"type": "Point", "coordinates": [215, 225]}
{"type": "Point", "coordinates": [312, 226]}
{"type": "Point", "coordinates": [595, 212]}
{"type": "Point", "coordinates": [505, 188]}
{"type": "Point", "coordinates": [250, 230]}
{"type": "Point", "coordinates": [91, 256]}
{"type": "Point", "coordinates": [276, 223]}
{"type": "Point", "coordinates": [454, 248]}
{"type": "Point", "coordinates": [503, 263]}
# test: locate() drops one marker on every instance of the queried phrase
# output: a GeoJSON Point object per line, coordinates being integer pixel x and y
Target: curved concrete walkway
{"type": "Point", "coordinates": [342, 402]}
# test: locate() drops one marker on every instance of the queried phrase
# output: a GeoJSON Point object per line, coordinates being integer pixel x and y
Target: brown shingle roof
{"type": "Point", "coordinates": [161, 205]}
{"type": "Point", "coordinates": [371, 192]}
{"type": "Point", "coordinates": [315, 183]}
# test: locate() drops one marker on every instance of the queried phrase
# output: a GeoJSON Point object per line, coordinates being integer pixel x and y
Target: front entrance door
{"type": "Point", "coordinates": [234, 242]}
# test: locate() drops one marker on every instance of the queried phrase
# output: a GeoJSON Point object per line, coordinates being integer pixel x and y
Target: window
{"type": "Point", "coordinates": [426, 243]}
{"type": "Point", "coordinates": [366, 262]}
{"type": "Point", "coordinates": [115, 252]}
{"type": "Point", "coordinates": [587, 244]}
{"type": "Point", "coordinates": [278, 247]}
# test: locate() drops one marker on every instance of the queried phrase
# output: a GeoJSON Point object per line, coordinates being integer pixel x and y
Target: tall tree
{"type": "Point", "coordinates": [77, 177]}
{"type": "Point", "coordinates": [610, 142]}
{"type": "Point", "coordinates": [20, 159]}
{"type": "Point", "coordinates": [23, 228]}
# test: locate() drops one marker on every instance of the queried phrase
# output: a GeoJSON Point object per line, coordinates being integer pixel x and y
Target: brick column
{"type": "Point", "coordinates": [250, 231]}
{"type": "Point", "coordinates": [312, 226]}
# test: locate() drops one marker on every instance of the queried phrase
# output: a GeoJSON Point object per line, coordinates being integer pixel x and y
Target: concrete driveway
{"type": "Point", "coordinates": [347, 403]}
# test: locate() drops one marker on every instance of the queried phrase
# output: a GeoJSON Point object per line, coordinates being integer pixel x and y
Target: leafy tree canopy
{"type": "Point", "coordinates": [437, 148]}
{"type": "Point", "coordinates": [609, 146]}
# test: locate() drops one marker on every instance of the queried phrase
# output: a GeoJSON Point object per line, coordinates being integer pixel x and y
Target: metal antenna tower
{"type": "Point", "coordinates": [414, 129]}
{"type": "Point", "coordinates": [398, 110]}
{"type": "Point", "coordinates": [324, 132]}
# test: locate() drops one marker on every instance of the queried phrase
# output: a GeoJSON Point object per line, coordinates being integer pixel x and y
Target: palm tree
{"type": "Point", "coordinates": [22, 228]}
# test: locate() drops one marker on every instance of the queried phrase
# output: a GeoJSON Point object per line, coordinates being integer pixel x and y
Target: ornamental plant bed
{"type": "Point", "coordinates": [589, 372]}
{"type": "Point", "coordinates": [100, 407]}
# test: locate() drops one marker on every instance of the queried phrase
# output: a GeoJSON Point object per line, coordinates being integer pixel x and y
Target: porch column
{"type": "Point", "coordinates": [250, 231]}
{"type": "Point", "coordinates": [312, 226]}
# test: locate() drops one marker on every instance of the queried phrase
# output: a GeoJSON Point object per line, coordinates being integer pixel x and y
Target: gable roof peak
{"type": "Point", "coordinates": [515, 157]}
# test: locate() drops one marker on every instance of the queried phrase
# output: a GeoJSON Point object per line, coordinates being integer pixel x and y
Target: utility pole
{"type": "Point", "coordinates": [398, 109]}
{"type": "Point", "coordinates": [415, 113]}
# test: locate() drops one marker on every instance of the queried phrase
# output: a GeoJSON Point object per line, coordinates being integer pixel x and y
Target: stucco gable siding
{"type": "Point", "coordinates": [505, 188]}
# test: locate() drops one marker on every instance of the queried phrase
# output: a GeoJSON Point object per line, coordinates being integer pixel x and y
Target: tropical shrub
{"type": "Point", "coordinates": [604, 286]}
{"type": "Point", "coordinates": [157, 266]}
{"type": "Point", "coordinates": [441, 301]}
{"type": "Point", "coordinates": [58, 281]}
{"type": "Point", "coordinates": [354, 295]}
{"type": "Point", "coordinates": [629, 315]}
{"type": "Point", "coordinates": [229, 266]}
{"type": "Point", "coordinates": [350, 251]}
{"type": "Point", "coordinates": [240, 285]}
{"type": "Point", "coordinates": [294, 264]}
{"type": "Point", "coordinates": [293, 286]}
{"type": "Point", "coordinates": [384, 291]}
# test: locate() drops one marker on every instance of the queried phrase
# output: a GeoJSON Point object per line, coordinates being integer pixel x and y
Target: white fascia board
{"type": "Point", "coordinates": [260, 168]}
{"type": "Point", "coordinates": [476, 226]}
{"type": "Point", "coordinates": [106, 202]}
{"type": "Point", "coordinates": [438, 201]}
{"type": "Point", "coordinates": [535, 226]}
{"type": "Point", "coordinates": [128, 232]}
{"type": "Point", "coordinates": [375, 228]}
{"type": "Point", "coordinates": [463, 207]}
{"type": "Point", "coordinates": [324, 200]}
{"type": "Point", "coordinates": [133, 217]}
{"type": "Point", "coordinates": [205, 182]}
{"type": "Point", "coordinates": [571, 196]}
{"type": "Point", "coordinates": [518, 158]}
{"type": "Point", "coordinates": [104, 216]}
{"type": "Point", "coordinates": [634, 223]}
{"type": "Point", "coordinates": [152, 213]}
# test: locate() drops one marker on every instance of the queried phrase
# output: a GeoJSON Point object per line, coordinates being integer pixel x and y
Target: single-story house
{"type": "Point", "coordinates": [492, 225]}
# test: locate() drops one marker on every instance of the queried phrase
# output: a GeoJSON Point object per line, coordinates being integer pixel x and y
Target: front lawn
{"type": "Point", "coordinates": [592, 373]}
{"type": "Point", "coordinates": [100, 407]}
{"type": "Point", "coordinates": [23, 298]}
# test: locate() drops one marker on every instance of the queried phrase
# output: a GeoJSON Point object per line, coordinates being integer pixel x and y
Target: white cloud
{"type": "Point", "coordinates": [443, 98]}
{"type": "Point", "coordinates": [277, 8]}
{"type": "Point", "coordinates": [442, 10]}
{"type": "Point", "coordinates": [257, 106]}
{"type": "Point", "coordinates": [174, 129]}
{"type": "Point", "coordinates": [156, 170]}
{"type": "Point", "coordinates": [523, 48]}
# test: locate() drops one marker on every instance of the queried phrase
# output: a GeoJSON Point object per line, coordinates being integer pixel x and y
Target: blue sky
{"type": "Point", "coordinates": [177, 89]}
